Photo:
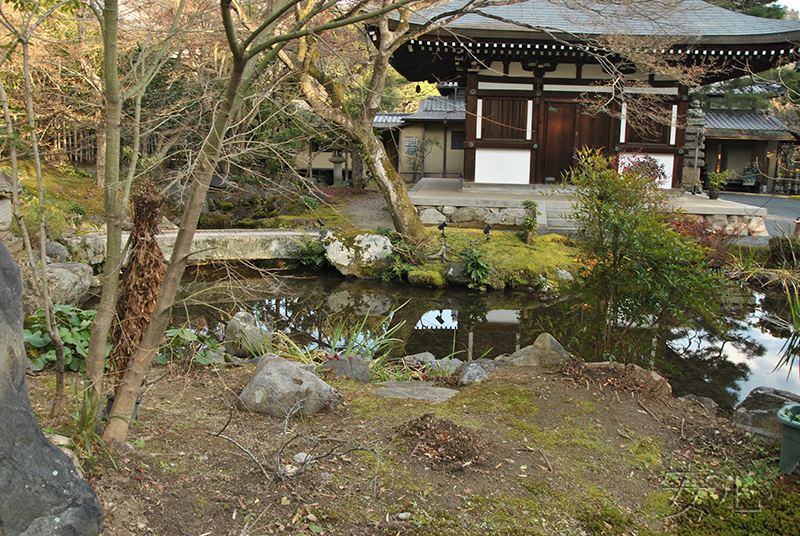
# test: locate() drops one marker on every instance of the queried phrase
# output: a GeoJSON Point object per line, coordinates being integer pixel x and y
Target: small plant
{"type": "Point", "coordinates": [718, 179]}
{"type": "Point", "coordinates": [476, 268]}
{"type": "Point", "coordinates": [312, 252]}
{"type": "Point", "coordinates": [74, 328]}
{"type": "Point", "coordinates": [87, 420]}
{"type": "Point", "coordinates": [184, 342]}
{"type": "Point", "coordinates": [311, 203]}
{"type": "Point", "coordinates": [385, 231]}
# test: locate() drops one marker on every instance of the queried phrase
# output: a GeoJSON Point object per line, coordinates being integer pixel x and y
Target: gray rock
{"type": "Point", "coordinates": [757, 413]}
{"type": "Point", "coordinates": [469, 214]}
{"type": "Point", "coordinates": [472, 372]}
{"type": "Point", "coordinates": [364, 255]}
{"type": "Point", "coordinates": [402, 516]}
{"type": "Point", "coordinates": [446, 364]}
{"type": "Point", "coordinates": [278, 385]}
{"type": "Point", "coordinates": [69, 282]}
{"type": "Point", "coordinates": [243, 338]}
{"type": "Point", "coordinates": [423, 358]}
{"type": "Point", "coordinates": [565, 275]}
{"type": "Point", "coordinates": [352, 367]}
{"type": "Point", "coordinates": [546, 350]}
{"type": "Point", "coordinates": [57, 252]}
{"type": "Point", "coordinates": [416, 390]}
{"type": "Point", "coordinates": [431, 216]}
{"type": "Point", "coordinates": [42, 494]}
{"type": "Point", "coordinates": [708, 404]}
{"type": "Point", "coordinates": [89, 248]}
{"type": "Point", "coordinates": [454, 273]}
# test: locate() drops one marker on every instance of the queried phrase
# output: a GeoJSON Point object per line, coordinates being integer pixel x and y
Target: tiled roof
{"type": "Point", "coordinates": [695, 20]}
{"type": "Point", "coordinates": [440, 108]}
{"type": "Point", "coordinates": [388, 120]}
{"type": "Point", "coordinates": [745, 125]}
{"type": "Point", "coordinates": [751, 120]}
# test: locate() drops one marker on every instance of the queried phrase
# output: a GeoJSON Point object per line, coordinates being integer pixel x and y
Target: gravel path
{"type": "Point", "coordinates": [368, 211]}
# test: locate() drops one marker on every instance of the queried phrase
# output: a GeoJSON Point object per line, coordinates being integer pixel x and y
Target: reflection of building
{"type": "Point", "coordinates": [498, 332]}
{"type": "Point", "coordinates": [527, 67]}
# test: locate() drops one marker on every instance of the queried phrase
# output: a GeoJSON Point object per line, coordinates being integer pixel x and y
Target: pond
{"type": "Point", "coordinates": [465, 323]}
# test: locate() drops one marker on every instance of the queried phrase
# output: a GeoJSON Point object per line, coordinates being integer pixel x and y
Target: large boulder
{"type": "Point", "coordinates": [278, 385]}
{"type": "Point", "coordinates": [42, 494]}
{"type": "Point", "coordinates": [361, 255]}
{"type": "Point", "coordinates": [243, 338]}
{"type": "Point", "coordinates": [545, 350]}
{"type": "Point", "coordinates": [69, 282]}
{"type": "Point", "coordinates": [352, 367]}
{"type": "Point", "coordinates": [757, 413]}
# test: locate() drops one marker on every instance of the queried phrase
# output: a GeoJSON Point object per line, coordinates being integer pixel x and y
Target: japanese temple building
{"type": "Point", "coordinates": [526, 70]}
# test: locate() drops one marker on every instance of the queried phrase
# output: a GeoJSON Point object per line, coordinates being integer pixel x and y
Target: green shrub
{"type": "Point", "coordinates": [311, 203]}
{"type": "Point", "coordinates": [74, 326]}
{"type": "Point", "coordinates": [639, 274]}
{"type": "Point", "coordinates": [475, 267]}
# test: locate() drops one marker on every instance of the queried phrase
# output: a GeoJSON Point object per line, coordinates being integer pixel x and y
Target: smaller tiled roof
{"type": "Point", "coordinates": [752, 125]}
{"type": "Point", "coordinates": [440, 108]}
{"type": "Point", "coordinates": [389, 120]}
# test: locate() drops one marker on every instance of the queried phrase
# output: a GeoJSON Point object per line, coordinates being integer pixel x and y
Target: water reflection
{"type": "Point", "coordinates": [468, 324]}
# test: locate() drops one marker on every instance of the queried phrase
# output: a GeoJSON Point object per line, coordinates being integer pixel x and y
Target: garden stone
{"type": "Point", "coordinates": [469, 214]}
{"type": "Point", "coordinates": [471, 372]}
{"type": "Point", "coordinates": [422, 358]}
{"type": "Point", "coordinates": [57, 252]}
{"type": "Point", "coordinates": [447, 364]}
{"type": "Point", "coordinates": [757, 413]}
{"type": "Point", "coordinates": [42, 493]}
{"type": "Point", "coordinates": [707, 403]}
{"type": "Point", "coordinates": [351, 367]}
{"type": "Point", "coordinates": [243, 338]}
{"type": "Point", "coordinates": [431, 216]}
{"type": "Point", "coordinates": [546, 350]}
{"type": "Point", "coordinates": [278, 385]}
{"type": "Point", "coordinates": [363, 255]}
{"type": "Point", "coordinates": [415, 390]}
{"type": "Point", "coordinates": [564, 275]}
{"type": "Point", "coordinates": [454, 273]}
{"type": "Point", "coordinates": [69, 282]}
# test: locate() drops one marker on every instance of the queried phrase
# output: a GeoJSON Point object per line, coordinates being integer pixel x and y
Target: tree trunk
{"type": "Point", "coordinates": [359, 180]}
{"type": "Point", "coordinates": [114, 213]}
{"type": "Point", "coordinates": [118, 422]}
{"type": "Point", "coordinates": [404, 214]}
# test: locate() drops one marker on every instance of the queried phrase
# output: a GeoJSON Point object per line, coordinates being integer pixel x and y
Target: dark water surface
{"type": "Point", "coordinates": [465, 323]}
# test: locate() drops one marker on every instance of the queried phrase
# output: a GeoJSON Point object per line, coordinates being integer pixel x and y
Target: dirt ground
{"type": "Point", "coordinates": [368, 210]}
{"type": "Point", "coordinates": [529, 451]}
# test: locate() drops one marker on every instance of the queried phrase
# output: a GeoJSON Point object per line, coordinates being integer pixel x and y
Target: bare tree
{"type": "Point", "coordinates": [253, 52]}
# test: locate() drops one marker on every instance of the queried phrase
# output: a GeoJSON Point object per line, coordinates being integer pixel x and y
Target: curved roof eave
{"type": "Point", "coordinates": [690, 21]}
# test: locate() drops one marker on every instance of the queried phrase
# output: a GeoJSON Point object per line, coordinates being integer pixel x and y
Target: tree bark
{"type": "Point", "coordinates": [114, 213]}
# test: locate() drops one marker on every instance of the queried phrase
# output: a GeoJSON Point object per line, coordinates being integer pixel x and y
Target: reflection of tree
{"type": "Point", "coordinates": [697, 360]}
{"type": "Point", "coordinates": [705, 371]}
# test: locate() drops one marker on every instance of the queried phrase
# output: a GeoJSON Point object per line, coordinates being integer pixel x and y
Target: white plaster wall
{"type": "Point", "coordinates": [666, 160]}
{"type": "Point", "coordinates": [502, 166]}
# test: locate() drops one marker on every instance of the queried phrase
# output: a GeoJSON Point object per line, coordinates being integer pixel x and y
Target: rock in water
{"type": "Point", "coordinates": [243, 338]}
{"type": "Point", "coordinates": [278, 385]}
{"type": "Point", "coordinates": [41, 494]}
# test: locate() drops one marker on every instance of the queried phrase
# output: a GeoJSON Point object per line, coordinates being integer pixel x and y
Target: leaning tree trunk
{"type": "Point", "coordinates": [404, 214]}
{"type": "Point", "coordinates": [118, 422]}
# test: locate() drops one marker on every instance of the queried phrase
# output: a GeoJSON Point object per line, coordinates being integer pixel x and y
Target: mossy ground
{"type": "Point", "coordinates": [560, 457]}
